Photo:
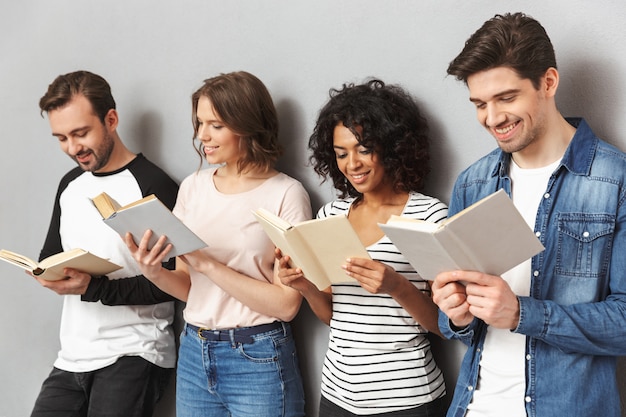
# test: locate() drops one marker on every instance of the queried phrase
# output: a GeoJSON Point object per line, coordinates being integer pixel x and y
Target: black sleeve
{"type": "Point", "coordinates": [136, 290]}
{"type": "Point", "coordinates": [153, 180]}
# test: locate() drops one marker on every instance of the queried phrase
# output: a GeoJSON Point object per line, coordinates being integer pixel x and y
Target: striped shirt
{"type": "Point", "coordinates": [379, 358]}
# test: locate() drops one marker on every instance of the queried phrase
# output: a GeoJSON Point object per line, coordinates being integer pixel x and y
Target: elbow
{"type": "Point", "coordinates": [290, 311]}
{"type": "Point", "coordinates": [437, 332]}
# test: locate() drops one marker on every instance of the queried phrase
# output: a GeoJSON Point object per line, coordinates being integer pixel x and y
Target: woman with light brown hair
{"type": "Point", "coordinates": [237, 354]}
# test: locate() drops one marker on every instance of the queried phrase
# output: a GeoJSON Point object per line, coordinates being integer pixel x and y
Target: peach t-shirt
{"type": "Point", "coordinates": [234, 238]}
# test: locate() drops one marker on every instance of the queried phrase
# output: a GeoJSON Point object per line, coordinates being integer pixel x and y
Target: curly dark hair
{"type": "Point", "coordinates": [390, 124]}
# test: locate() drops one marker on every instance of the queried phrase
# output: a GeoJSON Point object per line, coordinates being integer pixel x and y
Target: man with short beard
{"type": "Point", "coordinates": [114, 360]}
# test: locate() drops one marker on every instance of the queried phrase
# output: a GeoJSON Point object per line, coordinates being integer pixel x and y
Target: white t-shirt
{"type": "Point", "coordinates": [502, 378]}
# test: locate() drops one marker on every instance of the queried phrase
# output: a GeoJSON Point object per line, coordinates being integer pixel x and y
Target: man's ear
{"type": "Point", "coordinates": [550, 82]}
{"type": "Point", "coordinates": [111, 120]}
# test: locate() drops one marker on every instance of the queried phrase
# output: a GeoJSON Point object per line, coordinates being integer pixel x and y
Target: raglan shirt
{"type": "Point", "coordinates": [94, 335]}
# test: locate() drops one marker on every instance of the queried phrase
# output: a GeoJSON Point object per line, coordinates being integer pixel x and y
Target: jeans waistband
{"type": "Point", "coordinates": [237, 334]}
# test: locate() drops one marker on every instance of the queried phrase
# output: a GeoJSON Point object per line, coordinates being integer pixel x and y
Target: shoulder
{"type": "Point", "coordinates": [69, 177]}
{"type": "Point", "coordinates": [142, 166]}
{"type": "Point", "coordinates": [483, 167]}
{"type": "Point", "coordinates": [424, 207]}
{"type": "Point", "coordinates": [193, 180]}
{"type": "Point", "coordinates": [282, 180]}
{"type": "Point", "coordinates": [589, 155]}
{"type": "Point", "coordinates": [72, 176]}
{"type": "Point", "coordinates": [294, 201]}
{"type": "Point", "coordinates": [283, 188]}
{"type": "Point", "coordinates": [153, 180]}
{"type": "Point", "coordinates": [335, 207]}
{"type": "Point", "coordinates": [612, 154]}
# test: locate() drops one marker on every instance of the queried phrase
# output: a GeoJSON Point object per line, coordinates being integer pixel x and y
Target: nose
{"type": "Point", "coordinates": [203, 132]}
{"type": "Point", "coordinates": [353, 160]}
{"type": "Point", "coordinates": [493, 116]}
{"type": "Point", "coordinates": [73, 146]}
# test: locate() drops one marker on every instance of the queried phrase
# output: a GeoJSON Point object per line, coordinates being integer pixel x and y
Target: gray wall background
{"type": "Point", "coordinates": [155, 53]}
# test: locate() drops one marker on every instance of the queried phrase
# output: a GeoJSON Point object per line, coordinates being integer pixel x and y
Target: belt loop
{"type": "Point", "coordinates": [231, 334]}
{"type": "Point", "coordinates": [284, 328]}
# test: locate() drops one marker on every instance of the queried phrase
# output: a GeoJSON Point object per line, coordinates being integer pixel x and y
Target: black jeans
{"type": "Point", "coordinates": [436, 408]}
{"type": "Point", "coordinates": [130, 387]}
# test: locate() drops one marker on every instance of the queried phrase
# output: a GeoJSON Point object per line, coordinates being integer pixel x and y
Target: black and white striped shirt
{"type": "Point", "coordinates": [379, 357]}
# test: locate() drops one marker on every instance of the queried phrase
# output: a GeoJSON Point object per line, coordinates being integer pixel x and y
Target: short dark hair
{"type": "Point", "coordinates": [92, 86]}
{"type": "Point", "coordinates": [390, 124]}
{"type": "Point", "coordinates": [245, 106]}
{"type": "Point", "coordinates": [513, 40]}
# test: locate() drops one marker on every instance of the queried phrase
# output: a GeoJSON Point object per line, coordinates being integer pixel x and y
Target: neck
{"type": "Point", "coordinates": [387, 197]}
{"type": "Point", "coordinates": [232, 171]}
{"type": "Point", "coordinates": [549, 147]}
{"type": "Point", "coordinates": [120, 156]}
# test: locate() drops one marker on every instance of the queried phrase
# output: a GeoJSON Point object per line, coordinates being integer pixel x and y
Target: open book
{"type": "Point", "coordinates": [52, 267]}
{"type": "Point", "coordinates": [319, 247]}
{"type": "Point", "coordinates": [489, 236]}
{"type": "Point", "coordinates": [148, 213]}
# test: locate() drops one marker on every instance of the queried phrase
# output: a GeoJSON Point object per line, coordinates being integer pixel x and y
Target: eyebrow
{"type": "Point", "coordinates": [73, 132]}
{"type": "Point", "coordinates": [498, 95]}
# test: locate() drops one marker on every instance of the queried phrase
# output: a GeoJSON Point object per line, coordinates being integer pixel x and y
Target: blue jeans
{"type": "Point", "coordinates": [230, 378]}
{"type": "Point", "coordinates": [130, 387]}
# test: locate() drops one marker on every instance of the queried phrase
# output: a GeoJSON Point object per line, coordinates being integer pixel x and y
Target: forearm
{"type": "Point", "coordinates": [419, 305]}
{"type": "Point", "coordinates": [176, 283]}
{"type": "Point", "coordinates": [321, 303]}
{"type": "Point", "coordinates": [127, 291]}
{"type": "Point", "coordinates": [588, 328]}
{"type": "Point", "coordinates": [271, 299]}
{"type": "Point", "coordinates": [135, 290]}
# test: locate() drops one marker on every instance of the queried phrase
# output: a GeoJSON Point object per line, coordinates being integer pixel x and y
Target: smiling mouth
{"type": "Point", "coordinates": [359, 178]}
{"type": "Point", "coordinates": [505, 130]}
{"type": "Point", "coordinates": [82, 157]}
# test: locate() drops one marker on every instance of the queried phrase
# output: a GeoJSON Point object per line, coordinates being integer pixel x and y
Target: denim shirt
{"type": "Point", "coordinates": [575, 317]}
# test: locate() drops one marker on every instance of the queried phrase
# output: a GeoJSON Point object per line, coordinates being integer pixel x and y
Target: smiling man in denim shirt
{"type": "Point", "coordinates": [544, 337]}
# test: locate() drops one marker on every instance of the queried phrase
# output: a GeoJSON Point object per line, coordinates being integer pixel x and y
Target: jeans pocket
{"type": "Point", "coordinates": [262, 350]}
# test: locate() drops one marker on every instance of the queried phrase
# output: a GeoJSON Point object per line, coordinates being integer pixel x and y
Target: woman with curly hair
{"type": "Point", "coordinates": [372, 142]}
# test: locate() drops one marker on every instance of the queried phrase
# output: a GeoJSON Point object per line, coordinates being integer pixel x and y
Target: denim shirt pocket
{"type": "Point", "coordinates": [583, 255]}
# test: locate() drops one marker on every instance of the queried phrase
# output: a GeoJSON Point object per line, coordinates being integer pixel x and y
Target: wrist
{"type": "Point", "coordinates": [403, 289]}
